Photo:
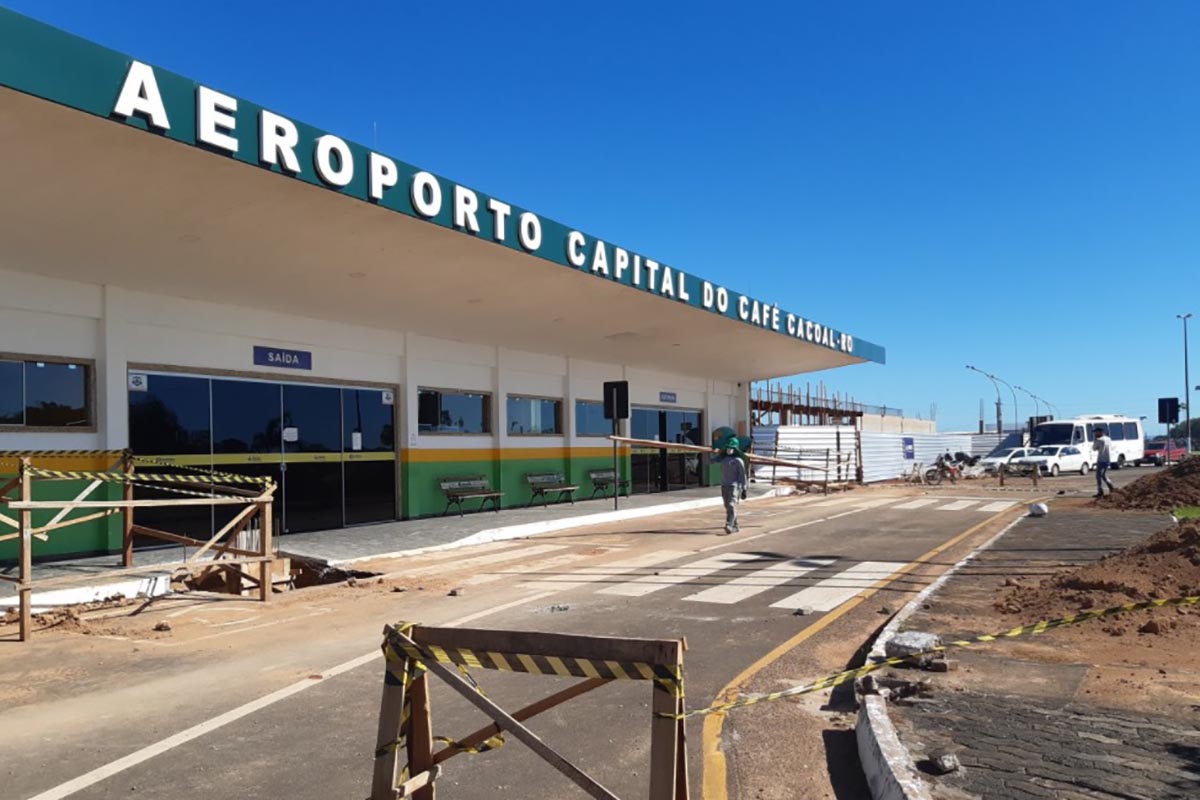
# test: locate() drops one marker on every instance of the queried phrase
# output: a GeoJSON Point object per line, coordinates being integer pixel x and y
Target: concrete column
{"type": "Point", "coordinates": [112, 367]}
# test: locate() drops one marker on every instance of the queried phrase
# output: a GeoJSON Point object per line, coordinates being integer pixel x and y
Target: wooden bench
{"type": "Point", "coordinates": [603, 478]}
{"type": "Point", "coordinates": [467, 488]}
{"type": "Point", "coordinates": [543, 482]}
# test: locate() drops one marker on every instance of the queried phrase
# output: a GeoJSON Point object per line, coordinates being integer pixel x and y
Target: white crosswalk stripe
{"type": "Point", "coordinates": [876, 503]}
{"type": "Point", "coordinates": [832, 592]}
{"type": "Point", "coordinates": [491, 558]}
{"type": "Point", "coordinates": [604, 572]}
{"type": "Point", "coordinates": [747, 586]}
{"type": "Point", "coordinates": [957, 505]}
{"type": "Point", "coordinates": [920, 502]}
{"type": "Point", "coordinates": [523, 570]}
{"type": "Point", "coordinates": [999, 505]}
{"type": "Point", "coordinates": [676, 575]}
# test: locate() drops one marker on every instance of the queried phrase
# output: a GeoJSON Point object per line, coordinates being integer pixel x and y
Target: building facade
{"type": "Point", "coordinates": [212, 284]}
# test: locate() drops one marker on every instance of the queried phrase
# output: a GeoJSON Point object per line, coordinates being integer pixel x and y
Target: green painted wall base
{"type": "Point", "coordinates": [97, 536]}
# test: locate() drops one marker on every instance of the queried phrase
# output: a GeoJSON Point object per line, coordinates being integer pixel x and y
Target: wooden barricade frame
{"type": "Point", "coordinates": [204, 488]}
{"type": "Point", "coordinates": [405, 715]}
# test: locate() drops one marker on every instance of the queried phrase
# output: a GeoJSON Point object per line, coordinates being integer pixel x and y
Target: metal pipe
{"type": "Point", "coordinates": [1187, 383]}
{"type": "Point", "coordinates": [999, 404]}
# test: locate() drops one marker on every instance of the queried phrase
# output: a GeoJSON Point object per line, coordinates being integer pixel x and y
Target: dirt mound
{"type": "Point", "coordinates": [1178, 485]}
{"type": "Point", "coordinates": [1163, 566]}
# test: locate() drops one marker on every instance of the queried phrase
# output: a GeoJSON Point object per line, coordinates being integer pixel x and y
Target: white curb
{"type": "Point", "coordinates": [886, 762]}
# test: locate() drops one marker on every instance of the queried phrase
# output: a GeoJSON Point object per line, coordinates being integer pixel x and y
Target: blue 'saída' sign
{"type": "Point", "coordinates": [284, 359]}
{"type": "Point", "coordinates": [910, 450]}
{"type": "Point", "coordinates": [666, 397]}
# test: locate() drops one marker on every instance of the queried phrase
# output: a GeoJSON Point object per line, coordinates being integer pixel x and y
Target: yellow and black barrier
{"type": "Point", "coordinates": [662, 674]}
{"type": "Point", "coordinates": [840, 678]}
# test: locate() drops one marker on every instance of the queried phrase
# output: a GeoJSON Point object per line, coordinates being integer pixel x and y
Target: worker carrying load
{"type": "Point", "coordinates": [730, 455]}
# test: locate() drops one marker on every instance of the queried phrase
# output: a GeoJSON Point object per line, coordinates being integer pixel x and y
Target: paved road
{"type": "Point", "coordinates": [95, 701]}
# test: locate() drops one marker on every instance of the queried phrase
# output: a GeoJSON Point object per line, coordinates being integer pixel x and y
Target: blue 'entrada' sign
{"type": "Point", "coordinates": [666, 397]}
{"type": "Point", "coordinates": [285, 359]}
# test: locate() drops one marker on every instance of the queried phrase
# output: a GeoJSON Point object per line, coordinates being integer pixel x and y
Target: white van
{"type": "Point", "coordinates": [1128, 438]}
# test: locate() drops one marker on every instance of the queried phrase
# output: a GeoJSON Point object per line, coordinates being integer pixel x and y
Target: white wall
{"type": "Point", "coordinates": [118, 328]}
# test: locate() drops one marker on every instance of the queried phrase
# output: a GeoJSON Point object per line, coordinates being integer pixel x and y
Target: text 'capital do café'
{"type": "Point", "coordinates": [216, 126]}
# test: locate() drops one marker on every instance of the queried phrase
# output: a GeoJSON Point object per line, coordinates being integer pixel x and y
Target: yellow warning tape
{"type": "Point", "coordinates": [121, 477]}
{"type": "Point", "coordinates": [63, 453]}
{"type": "Point", "coordinates": [853, 674]}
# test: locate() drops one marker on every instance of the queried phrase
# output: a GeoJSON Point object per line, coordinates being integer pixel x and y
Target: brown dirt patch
{"type": "Point", "coordinates": [1166, 565]}
{"type": "Point", "coordinates": [1178, 485]}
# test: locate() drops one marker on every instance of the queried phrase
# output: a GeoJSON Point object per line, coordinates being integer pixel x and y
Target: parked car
{"type": "Point", "coordinates": [1001, 457]}
{"type": "Point", "coordinates": [1058, 458]}
{"type": "Point", "coordinates": [1158, 453]}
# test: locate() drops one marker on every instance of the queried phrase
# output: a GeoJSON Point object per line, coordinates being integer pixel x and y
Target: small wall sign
{"type": "Point", "coordinates": [282, 359]}
{"type": "Point", "coordinates": [910, 450]}
{"type": "Point", "coordinates": [139, 382]}
{"type": "Point", "coordinates": [666, 397]}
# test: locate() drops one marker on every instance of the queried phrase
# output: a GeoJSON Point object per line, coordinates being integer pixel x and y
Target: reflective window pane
{"type": "Point", "coordinates": [312, 418]}
{"type": "Point", "coordinates": [534, 416]}
{"type": "Point", "coordinates": [453, 412]}
{"type": "Point", "coordinates": [12, 393]}
{"type": "Point", "coordinates": [55, 395]}
{"type": "Point", "coordinates": [246, 417]}
{"type": "Point", "coordinates": [171, 417]}
{"type": "Point", "coordinates": [367, 423]}
{"type": "Point", "coordinates": [589, 419]}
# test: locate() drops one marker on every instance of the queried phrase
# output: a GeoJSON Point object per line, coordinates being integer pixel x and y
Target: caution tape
{"type": "Point", "coordinates": [409, 674]}
{"type": "Point", "coordinates": [162, 462]}
{"type": "Point", "coordinates": [121, 477]}
{"type": "Point", "coordinates": [668, 677]}
{"type": "Point", "coordinates": [840, 678]}
{"type": "Point", "coordinates": [57, 453]}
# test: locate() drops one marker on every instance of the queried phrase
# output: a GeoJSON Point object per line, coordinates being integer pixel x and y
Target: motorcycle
{"type": "Point", "coordinates": [941, 470]}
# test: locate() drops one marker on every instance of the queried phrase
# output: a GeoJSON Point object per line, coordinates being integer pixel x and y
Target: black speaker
{"type": "Point", "coordinates": [616, 399]}
{"type": "Point", "coordinates": [1168, 410]}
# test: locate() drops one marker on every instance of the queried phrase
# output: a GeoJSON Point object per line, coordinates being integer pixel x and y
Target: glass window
{"type": "Point", "coordinates": [534, 416]}
{"type": "Point", "coordinates": [441, 411]}
{"type": "Point", "coordinates": [589, 419]}
{"type": "Point", "coordinates": [315, 412]}
{"type": "Point", "coordinates": [1116, 432]}
{"type": "Point", "coordinates": [171, 417]}
{"type": "Point", "coordinates": [12, 393]}
{"type": "Point", "coordinates": [367, 422]}
{"type": "Point", "coordinates": [1131, 430]}
{"type": "Point", "coordinates": [246, 417]}
{"type": "Point", "coordinates": [56, 395]}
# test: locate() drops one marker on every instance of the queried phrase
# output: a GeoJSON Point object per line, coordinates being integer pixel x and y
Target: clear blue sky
{"type": "Point", "coordinates": [1012, 185]}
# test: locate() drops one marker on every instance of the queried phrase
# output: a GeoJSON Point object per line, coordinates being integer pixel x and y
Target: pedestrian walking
{"type": "Point", "coordinates": [1102, 446]}
{"type": "Point", "coordinates": [733, 486]}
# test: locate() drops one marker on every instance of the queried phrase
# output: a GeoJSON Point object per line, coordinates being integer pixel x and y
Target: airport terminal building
{"type": "Point", "coordinates": [201, 279]}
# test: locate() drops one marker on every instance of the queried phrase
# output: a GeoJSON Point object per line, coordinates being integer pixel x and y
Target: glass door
{"type": "Point", "coordinates": [369, 455]}
{"type": "Point", "coordinates": [312, 458]}
{"type": "Point", "coordinates": [655, 470]}
{"type": "Point", "coordinates": [247, 437]}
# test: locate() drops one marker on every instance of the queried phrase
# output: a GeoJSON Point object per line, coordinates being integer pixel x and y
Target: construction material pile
{"type": "Point", "coordinates": [1177, 485]}
{"type": "Point", "coordinates": [1165, 565]}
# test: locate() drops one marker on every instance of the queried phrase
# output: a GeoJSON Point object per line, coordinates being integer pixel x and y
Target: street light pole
{"type": "Point", "coordinates": [1187, 383]}
{"type": "Point", "coordinates": [999, 404]}
{"type": "Point", "coordinates": [1016, 408]}
{"type": "Point", "coordinates": [1036, 410]}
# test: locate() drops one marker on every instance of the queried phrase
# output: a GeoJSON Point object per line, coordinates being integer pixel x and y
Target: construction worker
{"type": "Point", "coordinates": [733, 485]}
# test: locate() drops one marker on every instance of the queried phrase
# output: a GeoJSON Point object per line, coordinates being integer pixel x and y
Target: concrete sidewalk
{"type": "Point", "coordinates": [347, 546]}
{"type": "Point", "coordinates": [1023, 717]}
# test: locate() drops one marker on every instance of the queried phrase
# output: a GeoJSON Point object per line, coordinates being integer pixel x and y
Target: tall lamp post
{"type": "Point", "coordinates": [1187, 383]}
{"type": "Point", "coordinates": [1036, 411]}
{"type": "Point", "coordinates": [999, 412]}
{"type": "Point", "coordinates": [1016, 408]}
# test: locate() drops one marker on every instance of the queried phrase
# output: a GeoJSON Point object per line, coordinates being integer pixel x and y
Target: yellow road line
{"type": "Point", "coordinates": [715, 780]}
